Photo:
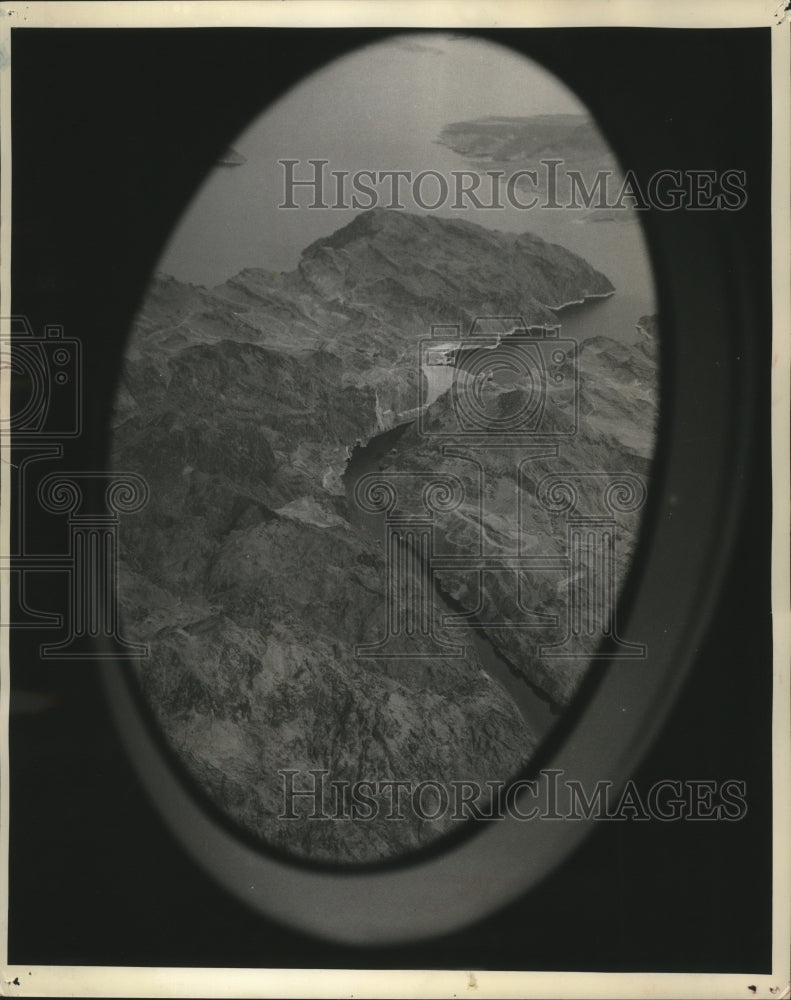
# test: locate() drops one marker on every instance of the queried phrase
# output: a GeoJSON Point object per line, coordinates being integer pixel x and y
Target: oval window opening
{"type": "Point", "coordinates": [395, 392]}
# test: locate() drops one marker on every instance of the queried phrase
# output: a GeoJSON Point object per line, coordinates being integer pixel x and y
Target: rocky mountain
{"type": "Point", "coordinates": [514, 511]}
{"type": "Point", "coordinates": [252, 574]}
{"type": "Point", "coordinates": [648, 326]}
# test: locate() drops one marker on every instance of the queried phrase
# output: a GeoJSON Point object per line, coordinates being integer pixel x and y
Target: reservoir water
{"type": "Point", "coordinates": [413, 89]}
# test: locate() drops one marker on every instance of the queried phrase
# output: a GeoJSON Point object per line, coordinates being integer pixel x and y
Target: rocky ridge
{"type": "Point", "coordinates": [248, 574]}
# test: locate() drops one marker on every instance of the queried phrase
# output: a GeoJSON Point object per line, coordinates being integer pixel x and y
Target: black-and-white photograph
{"type": "Point", "coordinates": [395, 563]}
{"type": "Point", "coordinates": [397, 453]}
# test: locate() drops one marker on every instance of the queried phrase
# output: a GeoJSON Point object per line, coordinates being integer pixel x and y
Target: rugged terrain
{"type": "Point", "coordinates": [249, 573]}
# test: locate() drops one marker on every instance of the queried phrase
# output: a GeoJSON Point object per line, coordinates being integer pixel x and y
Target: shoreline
{"type": "Point", "coordinates": [582, 301]}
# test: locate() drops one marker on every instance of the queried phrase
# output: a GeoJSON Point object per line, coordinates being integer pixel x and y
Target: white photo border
{"type": "Point", "coordinates": [177, 982]}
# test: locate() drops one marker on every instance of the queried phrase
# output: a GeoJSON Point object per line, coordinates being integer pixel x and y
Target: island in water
{"type": "Point", "coordinates": [551, 147]}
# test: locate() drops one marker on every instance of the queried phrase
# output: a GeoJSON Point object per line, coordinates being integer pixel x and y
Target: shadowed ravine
{"type": "Point", "coordinates": [536, 709]}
